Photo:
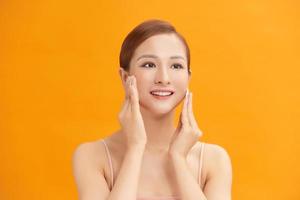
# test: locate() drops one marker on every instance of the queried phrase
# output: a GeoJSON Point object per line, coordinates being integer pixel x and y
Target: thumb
{"type": "Point", "coordinates": [179, 126]}
{"type": "Point", "coordinates": [179, 122]}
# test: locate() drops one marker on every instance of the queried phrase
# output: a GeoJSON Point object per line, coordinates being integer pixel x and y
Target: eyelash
{"type": "Point", "coordinates": [180, 66]}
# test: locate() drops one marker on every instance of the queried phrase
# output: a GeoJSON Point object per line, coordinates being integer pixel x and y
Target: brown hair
{"type": "Point", "coordinates": [142, 32]}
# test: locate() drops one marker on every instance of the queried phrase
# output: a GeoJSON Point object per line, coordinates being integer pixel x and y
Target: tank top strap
{"type": "Point", "coordinates": [200, 162]}
{"type": "Point", "coordinates": [110, 163]}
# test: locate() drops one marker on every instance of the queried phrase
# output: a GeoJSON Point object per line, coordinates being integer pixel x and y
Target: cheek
{"type": "Point", "coordinates": [180, 88]}
{"type": "Point", "coordinates": [180, 83]}
{"type": "Point", "coordinates": [143, 80]}
{"type": "Point", "coordinates": [142, 86]}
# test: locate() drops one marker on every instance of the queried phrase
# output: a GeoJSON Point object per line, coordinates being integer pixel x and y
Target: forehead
{"type": "Point", "coordinates": [162, 45]}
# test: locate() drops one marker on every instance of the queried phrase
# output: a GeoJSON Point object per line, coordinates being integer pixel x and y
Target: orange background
{"type": "Point", "coordinates": [60, 87]}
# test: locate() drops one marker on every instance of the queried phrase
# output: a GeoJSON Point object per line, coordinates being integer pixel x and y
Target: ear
{"type": "Point", "coordinates": [123, 75]}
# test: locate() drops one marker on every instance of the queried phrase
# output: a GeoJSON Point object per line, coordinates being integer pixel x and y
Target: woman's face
{"type": "Point", "coordinates": [160, 63]}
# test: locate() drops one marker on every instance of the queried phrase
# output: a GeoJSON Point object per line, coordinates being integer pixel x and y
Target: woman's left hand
{"type": "Point", "coordinates": [187, 132]}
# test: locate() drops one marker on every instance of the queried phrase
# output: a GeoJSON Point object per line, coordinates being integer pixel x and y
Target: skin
{"type": "Point", "coordinates": [149, 140]}
{"type": "Point", "coordinates": [160, 71]}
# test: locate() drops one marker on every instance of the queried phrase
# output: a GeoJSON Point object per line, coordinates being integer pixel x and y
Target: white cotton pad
{"type": "Point", "coordinates": [187, 91]}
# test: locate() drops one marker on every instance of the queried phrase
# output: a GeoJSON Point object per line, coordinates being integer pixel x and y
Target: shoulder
{"type": "Point", "coordinates": [89, 154]}
{"type": "Point", "coordinates": [216, 151]}
{"type": "Point", "coordinates": [213, 153]}
{"type": "Point", "coordinates": [217, 159]}
{"type": "Point", "coordinates": [88, 171]}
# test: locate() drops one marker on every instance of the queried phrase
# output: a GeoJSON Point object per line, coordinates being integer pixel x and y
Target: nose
{"type": "Point", "coordinates": [162, 76]}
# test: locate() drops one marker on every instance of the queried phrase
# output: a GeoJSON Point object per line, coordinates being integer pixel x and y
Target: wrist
{"type": "Point", "coordinates": [136, 148]}
{"type": "Point", "coordinates": [176, 155]}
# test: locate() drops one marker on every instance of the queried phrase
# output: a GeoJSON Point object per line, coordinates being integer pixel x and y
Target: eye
{"type": "Point", "coordinates": [148, 65]}
{"type": "Point", "coordinates": [178, 66]}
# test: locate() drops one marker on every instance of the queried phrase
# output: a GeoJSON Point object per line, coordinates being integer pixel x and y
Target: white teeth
{"type": "Point", "coordinates": [161, 93]}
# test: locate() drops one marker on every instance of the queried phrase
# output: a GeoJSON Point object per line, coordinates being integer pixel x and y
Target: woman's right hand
{"type": "Point", "coordinates": [130, 116]}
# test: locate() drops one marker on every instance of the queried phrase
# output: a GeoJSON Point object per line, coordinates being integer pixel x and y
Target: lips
{"type": "Point", "coordinates": [162, 92]}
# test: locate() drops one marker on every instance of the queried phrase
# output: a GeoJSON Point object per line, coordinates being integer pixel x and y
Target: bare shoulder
{"type": "Point", "coordinates": [216, 158]}
{"type": "Point", "coordinates": [216, 154]}
{"type": "Point", "coordinates": [91, 153]}
{"type": "Point", "coordinates": [216, 151]}
{"type": "Point", "coordinates": [88, 171]}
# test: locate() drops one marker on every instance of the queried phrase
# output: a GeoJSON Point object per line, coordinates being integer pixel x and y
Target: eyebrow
{"type": "Point", "coordinates": [154, 56]}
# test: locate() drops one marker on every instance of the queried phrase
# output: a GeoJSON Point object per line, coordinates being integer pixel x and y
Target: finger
{"type": "Point", "coordinates": [179, 126]}
{"type": "Point", "coordinates": [134, 96]}
{"type": "Point", "coordinates": [184, 117]}
{"type": "Point", "coordinates": [191, 116]}
{"type": "Point", "coordinates": [124, 107]}
{"type": "Point", "coordinates": [127, 87]}
{"type": "Point", "coordinates": [126, 101]}
{"type": "Point", "coordinates": [177, 130]}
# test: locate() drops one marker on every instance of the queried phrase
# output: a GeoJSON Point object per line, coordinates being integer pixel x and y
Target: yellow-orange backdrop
{"type": "Point", "coordinates": [60, 87]}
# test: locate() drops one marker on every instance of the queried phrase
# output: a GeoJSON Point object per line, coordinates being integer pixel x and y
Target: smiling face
{"type": "Point", "coordinates": [160, 63]}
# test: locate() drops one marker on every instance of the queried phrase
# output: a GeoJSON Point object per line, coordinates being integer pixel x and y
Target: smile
{"type": "Point", "coordinates": [161, 95]}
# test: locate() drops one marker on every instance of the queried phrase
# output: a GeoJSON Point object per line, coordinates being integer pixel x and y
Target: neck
{"type": "Point", "coordinates": [159, 129]}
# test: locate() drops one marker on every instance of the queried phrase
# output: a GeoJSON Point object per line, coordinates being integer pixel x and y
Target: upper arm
{"type": "Point", "coordinates": [90, 181]}
{"type": "Point", "coordinates": [219, 183]}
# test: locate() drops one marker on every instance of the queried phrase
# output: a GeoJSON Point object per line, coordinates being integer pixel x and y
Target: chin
{"type": "Point", "coordinates": [159, 109]}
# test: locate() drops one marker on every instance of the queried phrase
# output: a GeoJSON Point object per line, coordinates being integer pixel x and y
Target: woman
{"type": "Point", "coordinates": [148, 158]}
